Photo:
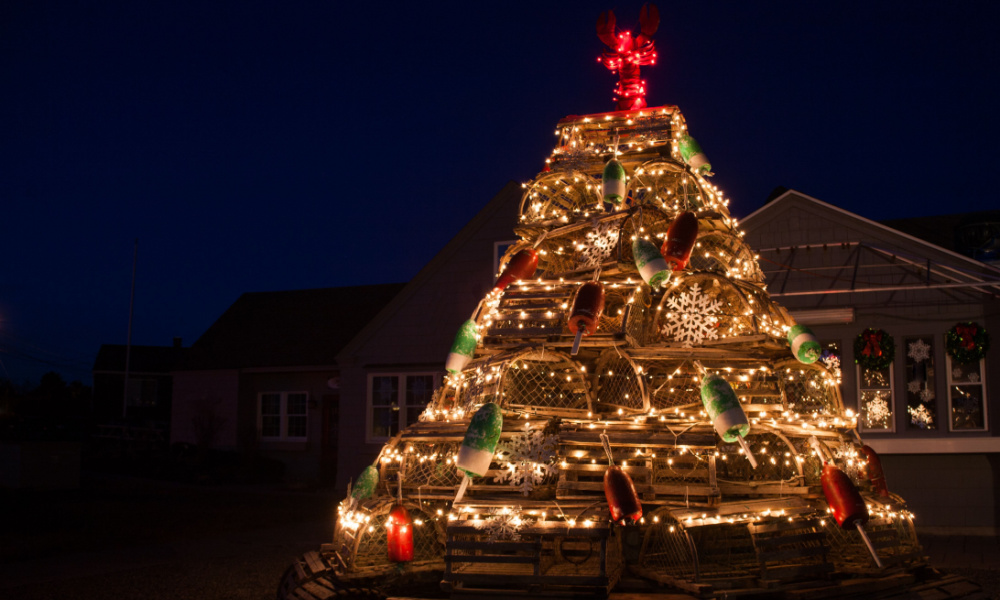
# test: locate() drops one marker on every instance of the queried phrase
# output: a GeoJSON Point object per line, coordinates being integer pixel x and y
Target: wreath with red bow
{"type": "Point", "coordinates": [967, 342]}
{"type": "Point", "coordinates": [874, 349]}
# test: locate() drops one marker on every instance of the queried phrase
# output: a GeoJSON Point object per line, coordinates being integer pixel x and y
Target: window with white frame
{"type": "Point", "coordinates": [966, 396]}
{"type": "Point", "coordinates": [396, 400]}
{"type": "Point", "coordinates": [283, 415]}
{"type": "Point", "coordinates": [875, 399]}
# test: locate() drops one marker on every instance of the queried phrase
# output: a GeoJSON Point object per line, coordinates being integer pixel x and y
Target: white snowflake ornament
{"type": "Point", "coordinates": [528, 459]}
{"type": "Point", "coordinates": [503, 524]}
{"type": "Point", "coordinates": [877, 412]}
{"type": "Point", "coordinates": [920, 416]}
{"type": "Point", "coordinates": [599, 244]}
{"type": "Point", "coordinates": [974, 377]}
{"type": "Point", "coordinates": [919, 351]}
{"type": "Point", "coordinates": [926, 394]}
{"type": "Point", "coordinates": [913, 387]}
{"type": "Point", "coordinates": [692, 318]}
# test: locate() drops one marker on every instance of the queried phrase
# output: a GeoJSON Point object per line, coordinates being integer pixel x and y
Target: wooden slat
{"type": "Point", "coordinates": [493, 546]}
{"type": "Point", "coordinates": [492, 559]}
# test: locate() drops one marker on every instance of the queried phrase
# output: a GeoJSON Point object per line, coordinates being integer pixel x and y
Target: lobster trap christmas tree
{"type": "Point", "coordinates": [627, 401]}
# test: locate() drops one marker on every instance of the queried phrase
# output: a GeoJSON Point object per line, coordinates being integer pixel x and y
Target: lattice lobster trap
{"type": "Point", "coordinates": [618, 384]}
{"type": "Point", "coordinates": [894, 540]}
{"type": "Point", "coordinates": [557, 194]}
{"type": "Point", "coordinates": [427, 469]}
{"type": "Point", "coordinates": [665, 184]}
{"type": "Point", "coordinates": [705, 307]}
{"type": "Point", "coordinates": [779, 468]}
{"type": "Point", "coordinates": [809, 389]}
{"type": "Point", "coordinates": [672, 385]}
{"type": "Point", "coordinates": [362, 544]}
{"type": "Point", "coordinates": [544, 382]}
{"type": "Point", "coordinates": [719, 251]}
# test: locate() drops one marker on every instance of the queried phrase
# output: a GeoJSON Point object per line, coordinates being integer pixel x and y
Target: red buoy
{"type": "Point", "coordinates": [681, 236]}
{"type": "Point", "coordinates": [588, 304]}
{"type": "Point", "coordinates": [521, 266]}
{"type": "Point", "coordinates": [623, 501]}
{"type": "Point", "coordinates": [399, 534]}
{"type": "Point", "coordinates": [875, 473]}
{"type": "Point", "coordinates": [846, 503]}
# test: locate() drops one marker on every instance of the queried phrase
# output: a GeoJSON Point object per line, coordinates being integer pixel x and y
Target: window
{"type": "Point", "coordinates": [921, 405]}
{"type": "Point", "coordinates": [283, 415]}
{"type": "Point", "coordinates": [141, 392]}
{"type": "Point", "coordinates": [875, 399]}
{"type": "Point", "coordinates": [396, 400]}
{"type": "Point", "coordinates": [966, 396]}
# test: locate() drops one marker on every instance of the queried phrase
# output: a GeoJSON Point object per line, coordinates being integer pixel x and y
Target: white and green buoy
{"type": "Point", "coordinates": [613, 182]}
{"type": "Point", "coordinates": [463, 347]}
{"type": "Point", "coordinates": [480, 443]}
{"type": "Point", "coordinates": [365, 486]}
{"type": "Point", "coordinates": [693, 155]}
{"type": "Point", "coordinates": [728, 417]}
{"type": "Point", "coordinates": [805, 346]}
{"type": "Point", "coordinates": [650, 262]}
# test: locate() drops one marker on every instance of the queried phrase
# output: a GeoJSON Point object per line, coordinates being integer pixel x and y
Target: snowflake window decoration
{"type": "Point", "coordinates": [693, 317]}
{"type": "Point", "coordinates": [503, 524]}
{"type": "Point", "coordinates": [528, 458]}
{"type": "Point", "coordinates": [914, 387]}
{"type": "Point", "coordinates": [877, 411]}
{"type": "Point", "coordinates": [956, 373]}
{"type": "Point", "coordinates": [919, 351]}
{"type": "Point", "coordinates": [926, 394]}
{"type": "Point", "coordinates": [920, 416]}
{"type": "Point", "coordinates": [974, 377]}
{"type": "Point", "coordinates": [599, 244]}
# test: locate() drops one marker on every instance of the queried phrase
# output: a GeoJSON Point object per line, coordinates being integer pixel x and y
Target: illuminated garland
{"type": "Point", "coordinates": [967, 342]}
{"type": "Point", "coordinates": [874, 349]}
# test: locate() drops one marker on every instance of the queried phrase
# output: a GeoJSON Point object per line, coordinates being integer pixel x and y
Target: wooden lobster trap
{"type": "Point", "coordinates": [545, 557]}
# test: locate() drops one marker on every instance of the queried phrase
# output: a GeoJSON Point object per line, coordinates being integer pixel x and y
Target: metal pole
{"type": "Point", "coordinates": [128, 341]}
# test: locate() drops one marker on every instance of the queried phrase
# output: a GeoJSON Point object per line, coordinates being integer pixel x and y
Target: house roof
{"type": "Point", "coordinates": [288, 328]}
{"type": "Point", "coordinates": [508, 195]}
{"type": "Point", "coordinates": [890, 260]}
{"type": "Point", "coordinates": [925, 231]}
{"type": "Point", "coordinates": [142, 359]}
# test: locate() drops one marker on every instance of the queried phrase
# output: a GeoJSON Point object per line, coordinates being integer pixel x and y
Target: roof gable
{"type": "Point", "coordinates": [438, 294]}
{"type": "Point", "coordinates": [288, 328]}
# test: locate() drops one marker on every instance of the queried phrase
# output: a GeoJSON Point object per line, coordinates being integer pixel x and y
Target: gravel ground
{"type": "Point", "coordinates": [146, 540]}
{"type": "Point", "coordinates": [127, 539]}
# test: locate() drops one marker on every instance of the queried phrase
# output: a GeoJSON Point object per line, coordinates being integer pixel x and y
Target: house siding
{"type": "Point", "coordinates": [415, 334]}
{"type": "Point", "coordinates": [200, 395]}
{"type": "Point", "coordinates": [950, 491]}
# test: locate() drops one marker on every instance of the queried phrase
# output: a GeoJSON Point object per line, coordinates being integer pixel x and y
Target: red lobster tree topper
{"type": "Point", "coordinates": [628, 54]}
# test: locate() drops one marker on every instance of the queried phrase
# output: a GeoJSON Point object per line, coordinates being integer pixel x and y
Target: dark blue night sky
{"type": "Point", "coordinates": [254, 146]}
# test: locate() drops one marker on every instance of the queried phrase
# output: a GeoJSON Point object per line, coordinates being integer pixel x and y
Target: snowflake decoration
{"type": "Point", "coordinates": [503, 524]}
{"type": "Point", "coordinates": [528, 459]}
{"type": "Point", "coordinates": [847, 456]}
{"type": "Point", "coordinates": [913, 387]}
{"type": "Point", "coordinates": [693, 318]}
{"type": "Point", "coordinates": [598, 246]}
{"type": "Point", "coordinates": [877, 412]}
{"type": "Point", "coordinates": [919, 351]}
{"type": "Point", "coordinates": [926, 394]}
{"type": "Point", "coordinates": [956, 373]}
{"type": "Point", "coordinates": [920, 416]}
{"type": "Point", "coordinates": [974, 377]}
